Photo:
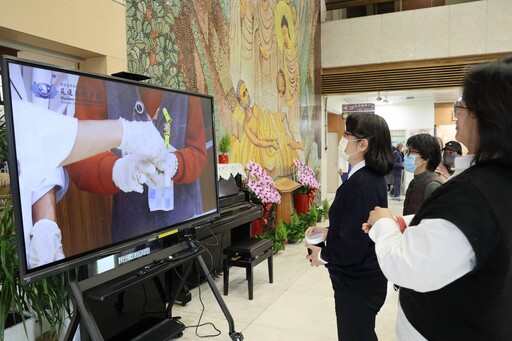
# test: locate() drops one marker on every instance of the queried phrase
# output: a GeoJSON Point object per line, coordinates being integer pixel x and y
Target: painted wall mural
{"type": "Point", "coordinates": [259, 59]}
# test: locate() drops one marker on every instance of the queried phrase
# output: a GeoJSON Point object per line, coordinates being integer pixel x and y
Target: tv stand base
{"type": "Point", "coordinates": [163, 330]}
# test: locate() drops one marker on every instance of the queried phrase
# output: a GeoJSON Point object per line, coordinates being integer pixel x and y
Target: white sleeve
{"type": "Point", "coordinates": [44, 139]}
{"type": "Point", "coordinates": [425, 257]}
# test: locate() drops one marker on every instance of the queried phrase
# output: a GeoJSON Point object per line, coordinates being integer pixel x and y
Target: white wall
{"type": "Point", "coordinates": [407, 116]}
{"type": "Point", "coordinates": [478, 27]}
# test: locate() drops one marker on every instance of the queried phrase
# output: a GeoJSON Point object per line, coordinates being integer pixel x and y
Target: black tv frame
{"type": "Point", "coordinates": [89, 257]}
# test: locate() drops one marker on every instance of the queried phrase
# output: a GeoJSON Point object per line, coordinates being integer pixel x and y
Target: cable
{"type": "Point", "coordinates": [199, 324]}
{"type": "Point", "coordinates": [199, 283]}
{"type": "Point", "coordinates": [213, 235]}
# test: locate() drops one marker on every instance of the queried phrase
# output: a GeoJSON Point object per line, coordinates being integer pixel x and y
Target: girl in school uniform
{"type": "Point", "coordinates": [349, 254]}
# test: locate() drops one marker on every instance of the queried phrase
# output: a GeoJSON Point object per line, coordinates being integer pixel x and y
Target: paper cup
{"type": "Point", "coordinates": [315, 239]}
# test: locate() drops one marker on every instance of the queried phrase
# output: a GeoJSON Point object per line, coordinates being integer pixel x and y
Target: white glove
{"type": "Point", "coordinates": [167, 166]}
{"type": "Point", "coordinates": [130, 172]}
{"type": "Point", "coordinates": [141, 138]}
{"type": "Point", "coordinates": [45, 243]}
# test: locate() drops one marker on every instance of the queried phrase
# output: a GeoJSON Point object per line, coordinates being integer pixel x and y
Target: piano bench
{"type": "Point", "coordinates": [247, 254]}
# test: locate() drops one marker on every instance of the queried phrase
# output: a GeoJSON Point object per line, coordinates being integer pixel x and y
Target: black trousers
{"type": "Point", "coordinates": [356, 309]}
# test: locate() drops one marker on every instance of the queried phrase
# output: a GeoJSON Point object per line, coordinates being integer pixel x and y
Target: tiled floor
{"type": "Point", "coordinates": [299, 305]}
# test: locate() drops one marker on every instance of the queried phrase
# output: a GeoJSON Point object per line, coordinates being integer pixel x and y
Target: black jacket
{"type": "Point", "coordinates": [477, 306]}
{"type": "Point", "coordinates": [350, 253]}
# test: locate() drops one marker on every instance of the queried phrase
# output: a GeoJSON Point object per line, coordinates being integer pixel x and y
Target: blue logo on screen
{"type": "Point", "coordinates": [43, 90]}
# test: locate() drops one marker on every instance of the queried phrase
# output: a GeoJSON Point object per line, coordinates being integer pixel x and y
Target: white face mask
{"type": "Point", "coordinates": [341, 149]}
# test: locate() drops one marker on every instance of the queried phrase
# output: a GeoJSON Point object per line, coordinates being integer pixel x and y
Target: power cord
{"type": "Point", "coordinates": [199, 283]}
{"type": "Point", "coordinates": [199, 324]}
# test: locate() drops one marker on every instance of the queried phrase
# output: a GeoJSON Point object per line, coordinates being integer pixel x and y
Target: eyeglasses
{"type": "Point", "coordinates": [346, 134]}
{"type": "Point", "coordinates": [411, 151]}
{"type": "Point", "coordinates": [457, 106]}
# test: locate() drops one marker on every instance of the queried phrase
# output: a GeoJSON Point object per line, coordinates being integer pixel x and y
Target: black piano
{"type": "Point", "coordinates": [234, 225]}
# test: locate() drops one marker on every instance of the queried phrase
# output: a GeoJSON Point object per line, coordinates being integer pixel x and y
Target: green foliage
{"type": "Point", "coordinates": [3, 139]}
{"type": "Point", "coordinates": [312, 214]}
{"type": "Point", "coordinates": [295, 229]}
{"type": "Point", "coordinates": [12, 294]}
{"type": "Point", "coordinates": [153, 49]}
{"type": "Point", "coordinates": [299, 223]}
{"type": "Point", "coordinates": [278, 244]}
{"type": "Point", "coordinates": [323, 211]}
{"type": "Point", "coordinates": [225, 143]}
{"type": "Point", "coordinates": [325, 207]}
{"type": "Point", "coordinates": [281, 232]}
{"type": "Point", "coordinates": [302, 190]}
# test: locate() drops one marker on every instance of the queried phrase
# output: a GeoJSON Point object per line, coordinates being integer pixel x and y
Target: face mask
{"type": "Point", "coordinates": [410, 163]}
{"type": "Point", "coordinates": [341, 149]}
{"type": "Point", "coordinates": [449, 159]}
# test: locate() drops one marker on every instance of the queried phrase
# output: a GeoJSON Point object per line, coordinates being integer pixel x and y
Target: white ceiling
{"type": "Point", "coordinates": [446, 95]}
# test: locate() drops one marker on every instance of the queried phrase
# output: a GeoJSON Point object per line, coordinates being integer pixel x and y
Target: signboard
{"type": "Point", "coordinates": [347, 109]}
{"type": "Point", "coordinates": [358, 107]}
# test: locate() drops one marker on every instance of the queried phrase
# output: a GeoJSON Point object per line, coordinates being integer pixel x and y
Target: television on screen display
{"type": "Point", "coordinates": [102, 165]}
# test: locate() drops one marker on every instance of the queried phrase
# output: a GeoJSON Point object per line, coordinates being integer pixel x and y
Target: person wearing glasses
{"type": "Point", "coordinates": [359, 286]}
{"type": "Point", "coordinates": [454, 266]}
{"type": "Point", "coordinates": [422, 156]}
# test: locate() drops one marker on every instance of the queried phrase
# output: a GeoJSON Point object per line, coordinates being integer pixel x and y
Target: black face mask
{"type": "Point", "coordinates": [449, 159]}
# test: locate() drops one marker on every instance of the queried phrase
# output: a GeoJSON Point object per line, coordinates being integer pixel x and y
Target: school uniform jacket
{"type": "Point", "coordinates": [349, 252]}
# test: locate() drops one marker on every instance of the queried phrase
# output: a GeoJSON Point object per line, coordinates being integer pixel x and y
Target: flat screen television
{"type": "Point", "coordinates": [101, 165]}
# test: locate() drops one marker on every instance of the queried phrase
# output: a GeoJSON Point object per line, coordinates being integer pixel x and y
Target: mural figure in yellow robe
{"type": "Point", "coordinates": [289, 62]}
{"type": "Point", "coordinates": [262, 137]}
{"type": "Point", "coordinates": [265, 67]}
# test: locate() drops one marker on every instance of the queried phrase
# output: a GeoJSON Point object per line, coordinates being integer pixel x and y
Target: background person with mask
{"type": "Point", "coordinates": [359, 286]}
{"type": "Point", "coordinates": [422, 156]}
{"type": "Point", "coordinates": [451, 150]}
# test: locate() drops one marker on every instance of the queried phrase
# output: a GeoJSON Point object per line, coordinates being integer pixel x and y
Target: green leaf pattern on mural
{"type": "Point", "coordinates": [153, 51]}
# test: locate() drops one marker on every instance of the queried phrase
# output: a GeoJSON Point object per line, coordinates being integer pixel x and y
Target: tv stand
{"type": "Point", "coordinates": [112, 282]}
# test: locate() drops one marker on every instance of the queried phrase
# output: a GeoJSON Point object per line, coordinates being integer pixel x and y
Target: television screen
{"type": "Point", "coordinates": [100, 165]}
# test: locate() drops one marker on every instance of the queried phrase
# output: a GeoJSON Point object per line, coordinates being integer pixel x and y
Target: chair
{"type": "Point", "coordinates": [247, 254]}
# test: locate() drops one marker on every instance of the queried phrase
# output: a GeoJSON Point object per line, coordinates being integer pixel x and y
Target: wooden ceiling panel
{"type": "Point", "coordinates": [428, 74]}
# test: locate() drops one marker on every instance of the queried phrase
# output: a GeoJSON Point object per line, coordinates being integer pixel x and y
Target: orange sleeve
{"type": "Point", "coordinates": [93, 174]}
{"type": "Point", "coordinates": [192, 158]}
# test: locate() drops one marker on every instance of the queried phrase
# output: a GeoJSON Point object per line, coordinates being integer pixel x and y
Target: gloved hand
{"type": "Point", "coordinates": [45, 243]}
{"type": "Point", "coordinates": [130, 172]}
{"type": "Point", "coordinates": [166, 166]}
{"type": "Point", "coordinates": [141, 138]}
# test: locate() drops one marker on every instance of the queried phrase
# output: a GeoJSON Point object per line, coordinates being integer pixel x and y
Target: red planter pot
{"type": "Point", "coordinates": [223, 158]}
{"type": "Point", "coordinates": [256, 227]}
{"type": "Point", "coordinates": [301, 203]}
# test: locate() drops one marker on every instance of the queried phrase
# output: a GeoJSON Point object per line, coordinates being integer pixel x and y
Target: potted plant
{"type": "Point", "coordinates": [47, 299]}
{"type": "Point", "coordinates": [224, 147]}
{"type": "Point", "coordinates": [304, 196]}
{"type": "Point", "coordinates": [263, 187]}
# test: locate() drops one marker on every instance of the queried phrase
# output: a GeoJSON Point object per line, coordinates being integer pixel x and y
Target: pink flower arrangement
{"type": "Point", "coordinates": [262, 184]}
{"type": "Point", "coordinates": [306, 177]}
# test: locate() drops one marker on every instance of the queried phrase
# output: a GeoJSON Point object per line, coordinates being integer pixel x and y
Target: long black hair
{"type": "Point", "coordinates": [374, 128]}
{"type": "Point", "coordinates": [488, 96]}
